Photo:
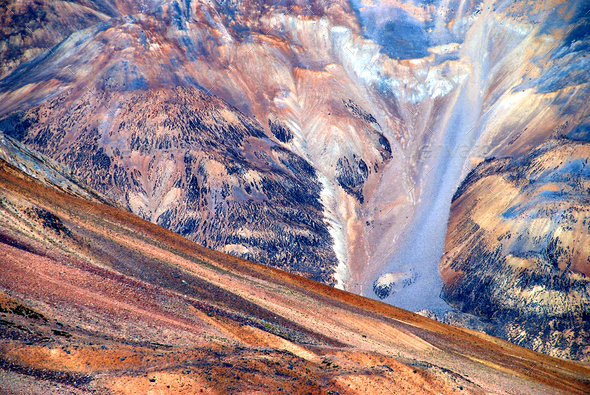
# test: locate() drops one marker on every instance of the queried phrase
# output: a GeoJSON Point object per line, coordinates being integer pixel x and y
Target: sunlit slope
{"type": "Point", "coordinates": [95, 298]}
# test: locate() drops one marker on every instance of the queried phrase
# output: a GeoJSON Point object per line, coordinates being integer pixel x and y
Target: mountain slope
{"type": "Point", "coordinates": [324, 138]}
{"type": "Point", "coordinates": [517, 248]}
{"type": "Point", "coordinates": [95, 299]}
{"type": "Point", "coordinates": [30, 27]}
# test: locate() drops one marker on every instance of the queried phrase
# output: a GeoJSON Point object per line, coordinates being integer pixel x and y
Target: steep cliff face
{"type": "Point", "coordinates": [514, 82]}
{"type": "Point", "coordinates": [518, 249]}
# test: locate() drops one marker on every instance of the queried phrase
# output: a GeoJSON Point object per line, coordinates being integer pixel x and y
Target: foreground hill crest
{"type": "Point", "coordinates": [94, 299]}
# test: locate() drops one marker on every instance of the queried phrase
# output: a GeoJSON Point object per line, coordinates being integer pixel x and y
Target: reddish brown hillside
{"type": "Point", "coordinates": [95, 299]}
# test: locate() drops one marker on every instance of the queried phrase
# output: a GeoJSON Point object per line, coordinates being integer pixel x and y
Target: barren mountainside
{"type": "Point", "coordinates": [517, 250]}
{"type": "Point", "coordinates": [328, 139]}
{"type": "Point", "coordinates": [94, 299]}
